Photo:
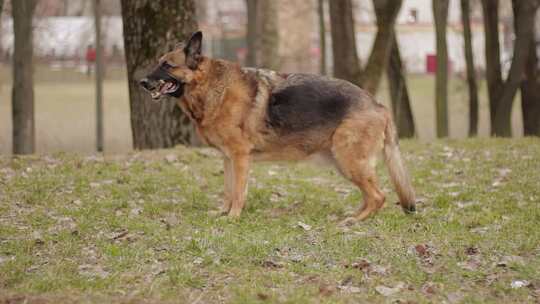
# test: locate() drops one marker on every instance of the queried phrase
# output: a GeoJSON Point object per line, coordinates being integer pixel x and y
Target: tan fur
{"type": "Point", "coordinates": [228, 105]}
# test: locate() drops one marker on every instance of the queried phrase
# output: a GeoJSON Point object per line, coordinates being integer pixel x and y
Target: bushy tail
{"type": "Point", "coordinates": [396, 169]}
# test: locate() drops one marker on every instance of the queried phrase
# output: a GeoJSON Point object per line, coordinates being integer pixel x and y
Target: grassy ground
{"type": "Point", "coordinates": [141, 228]}
{"type": "Point", "coordinates": [65, 110]}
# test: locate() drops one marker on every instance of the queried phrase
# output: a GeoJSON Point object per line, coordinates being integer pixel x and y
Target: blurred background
{"type": "Point", "coordinates": [447, 68]}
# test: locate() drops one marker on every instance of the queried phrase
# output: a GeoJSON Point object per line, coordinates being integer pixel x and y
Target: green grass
{"type": "Point", "coordinates": [139, 228]}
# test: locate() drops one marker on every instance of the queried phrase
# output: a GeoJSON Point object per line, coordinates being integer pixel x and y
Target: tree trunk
{"type": "Point", "coordinates": [399, 94]}
{"type": "Point", "coordinates": [269, 34]}
{"type": "Point", "coordinates": [251, 39]}
{"type": "Point", "coordinates": [490, 9]}
{"type": "Point", "coordinates": [1, 10]}
{"type": "Point", "coordinates": [99, 76]}
{"type": "Point", "coordinates": [530, 94]}
{"type": "Point", "coordinates": [524, 13]}
{"type": "Point", "coordinates": [346, 62]}
{"type": "Point", "coordinates": [151, 28]}
{"type": "Point", "coordinates": [471, 74]}
{"type": "Point", "coordinates": [23, 82]}
{"type": "Point", "coordinates": [345, 59]}
{"type": "Point", "coordinates": [386, 12]}
{"type": "Point", "coordinates": [322, 37]}
{"type": "Point", "coordinates": [440, 14]}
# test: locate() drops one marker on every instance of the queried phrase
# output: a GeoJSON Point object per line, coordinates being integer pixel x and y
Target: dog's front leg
{"type": "Point", "coordinates": [240, 171]}
{"type": "Point", "coordinates": [228, 191]}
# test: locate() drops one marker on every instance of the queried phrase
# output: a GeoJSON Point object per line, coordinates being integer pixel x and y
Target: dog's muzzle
{"type": "Point", "coordinates": [160, 82]}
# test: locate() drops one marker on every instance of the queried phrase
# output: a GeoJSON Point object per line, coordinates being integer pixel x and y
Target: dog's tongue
{"type": "Point", "coordinates": [166, 87]}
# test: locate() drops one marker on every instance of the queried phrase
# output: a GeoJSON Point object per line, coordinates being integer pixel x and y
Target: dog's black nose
{"type": "Point", "coordinates": [145, 83]}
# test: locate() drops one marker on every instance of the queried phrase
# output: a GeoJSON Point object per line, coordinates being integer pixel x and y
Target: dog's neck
{"type": "Point", "coordinates": [203, 96]}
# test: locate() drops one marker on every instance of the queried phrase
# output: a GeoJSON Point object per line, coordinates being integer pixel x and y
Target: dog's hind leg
{"type": "Point", "coordinates": [355, 146]}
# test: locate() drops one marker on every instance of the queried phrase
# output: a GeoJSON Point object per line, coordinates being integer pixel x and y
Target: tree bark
{"type": "Point", "coordinates": [471, 74]}
{"type": "Point", "coordinates": [346, 63]}
{"type": "Point", "coordinates": [99, 76]}
{"type": "Point", "coordinates": [322, 37]}
{"type": "Point", "coordinates": [524, 13]}
{"type": "Point", "coordinates": [386, 12]}
{"type": "Point", "coordinates": [269, 34]}
{"type": "Point", "coordinates": [251, 37]}
{"type": "Point", "coordinates": [345, 58]}
{"type": "Point", "coordinates": [530, 94]}
{"type": "Point", "coordinates": [151, 28]}
{"type": "Point", "coordinates": [23, 82]}
{"type": "Point", "coordinates": [440, 14]}
{"type": "Point", "coordinates": [490, 9]}
{"type": "Point", "coordinates": [399, 94]}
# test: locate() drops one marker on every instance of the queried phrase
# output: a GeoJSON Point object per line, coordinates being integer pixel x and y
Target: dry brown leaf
{"type": "Point", "coordinates": [389, 291]}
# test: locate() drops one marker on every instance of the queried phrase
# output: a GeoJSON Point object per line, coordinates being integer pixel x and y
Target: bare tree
{"type": "Point", "coordinates": [23, 80]}
{"type": "Point", "coordinates": [151, 28]}
{"type": "Point", "coordinates": [386, 12]}
{"type": "Point", "coordinates": [399, 94]}
{"type": "Point", "coordinates": [346, 63]}
{"type": "Point", "coordinates": [530, 93]}
{"type": "Point", "coordinates": [501, 94]}
{"type": "Point", "coordinates": [490, 9]}
{"type": "Point", "coordinates": [99, 76]}
{"type": "Point", "coordinates": [440, 14]}
{"type": "Point", "coordinates": [269, 34]}
{"type": "Point", "coordinates": [322, 37]}
{"type": "Point", "coordinates": [471, 74]}
{"type": "Point", "coordinates": [252, 26]}
{"type": "Point", "coordinates": [345, 58]}
{"type": "Point", "coordinates": [262, 34]}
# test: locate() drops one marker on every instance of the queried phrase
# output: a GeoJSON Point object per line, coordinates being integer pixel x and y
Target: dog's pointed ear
{"type": "Point", "coordinates": [193, 49]}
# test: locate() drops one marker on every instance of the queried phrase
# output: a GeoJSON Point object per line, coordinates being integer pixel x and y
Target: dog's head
{"type": "Point", "coordinates": [175, 69]}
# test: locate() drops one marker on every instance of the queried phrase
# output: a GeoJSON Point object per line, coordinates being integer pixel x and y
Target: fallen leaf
{"type": "Point", "coordinates": [520, 283]}
{"type": "Point", "coordinates": [326, 290]}
{"type": "Point", "coordinates": [471, 250]}
{"type": "Point", "coordinates": [135, 211]}
{"type": "Point", "coordinates": [304, 226]}
{"type": "Point", "coordinates": [119, 234]}
{"type": "Point", "coordinates": [272, 264]}
{"type": "Point", "coordinates": [362, 265]}
{"type": "Point", "coordinates": [388, 291]}
{"type": "Point", "coordinates": [350, 289]}
{"type": "Point", "coordinates": [510, 259]}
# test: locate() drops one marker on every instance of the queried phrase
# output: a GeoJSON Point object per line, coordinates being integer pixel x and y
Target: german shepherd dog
{"type": "Point", "coordinates": [257, 114]}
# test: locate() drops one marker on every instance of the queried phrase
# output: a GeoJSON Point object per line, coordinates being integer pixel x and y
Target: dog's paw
{"type": "Point", "coordinates": [234, 213]}
{"type": "Point", "coordinates": [409, 209]}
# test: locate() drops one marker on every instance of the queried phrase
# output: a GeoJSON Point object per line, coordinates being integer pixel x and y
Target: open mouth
{"type": "Point", "coordinates": [165, 87]}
